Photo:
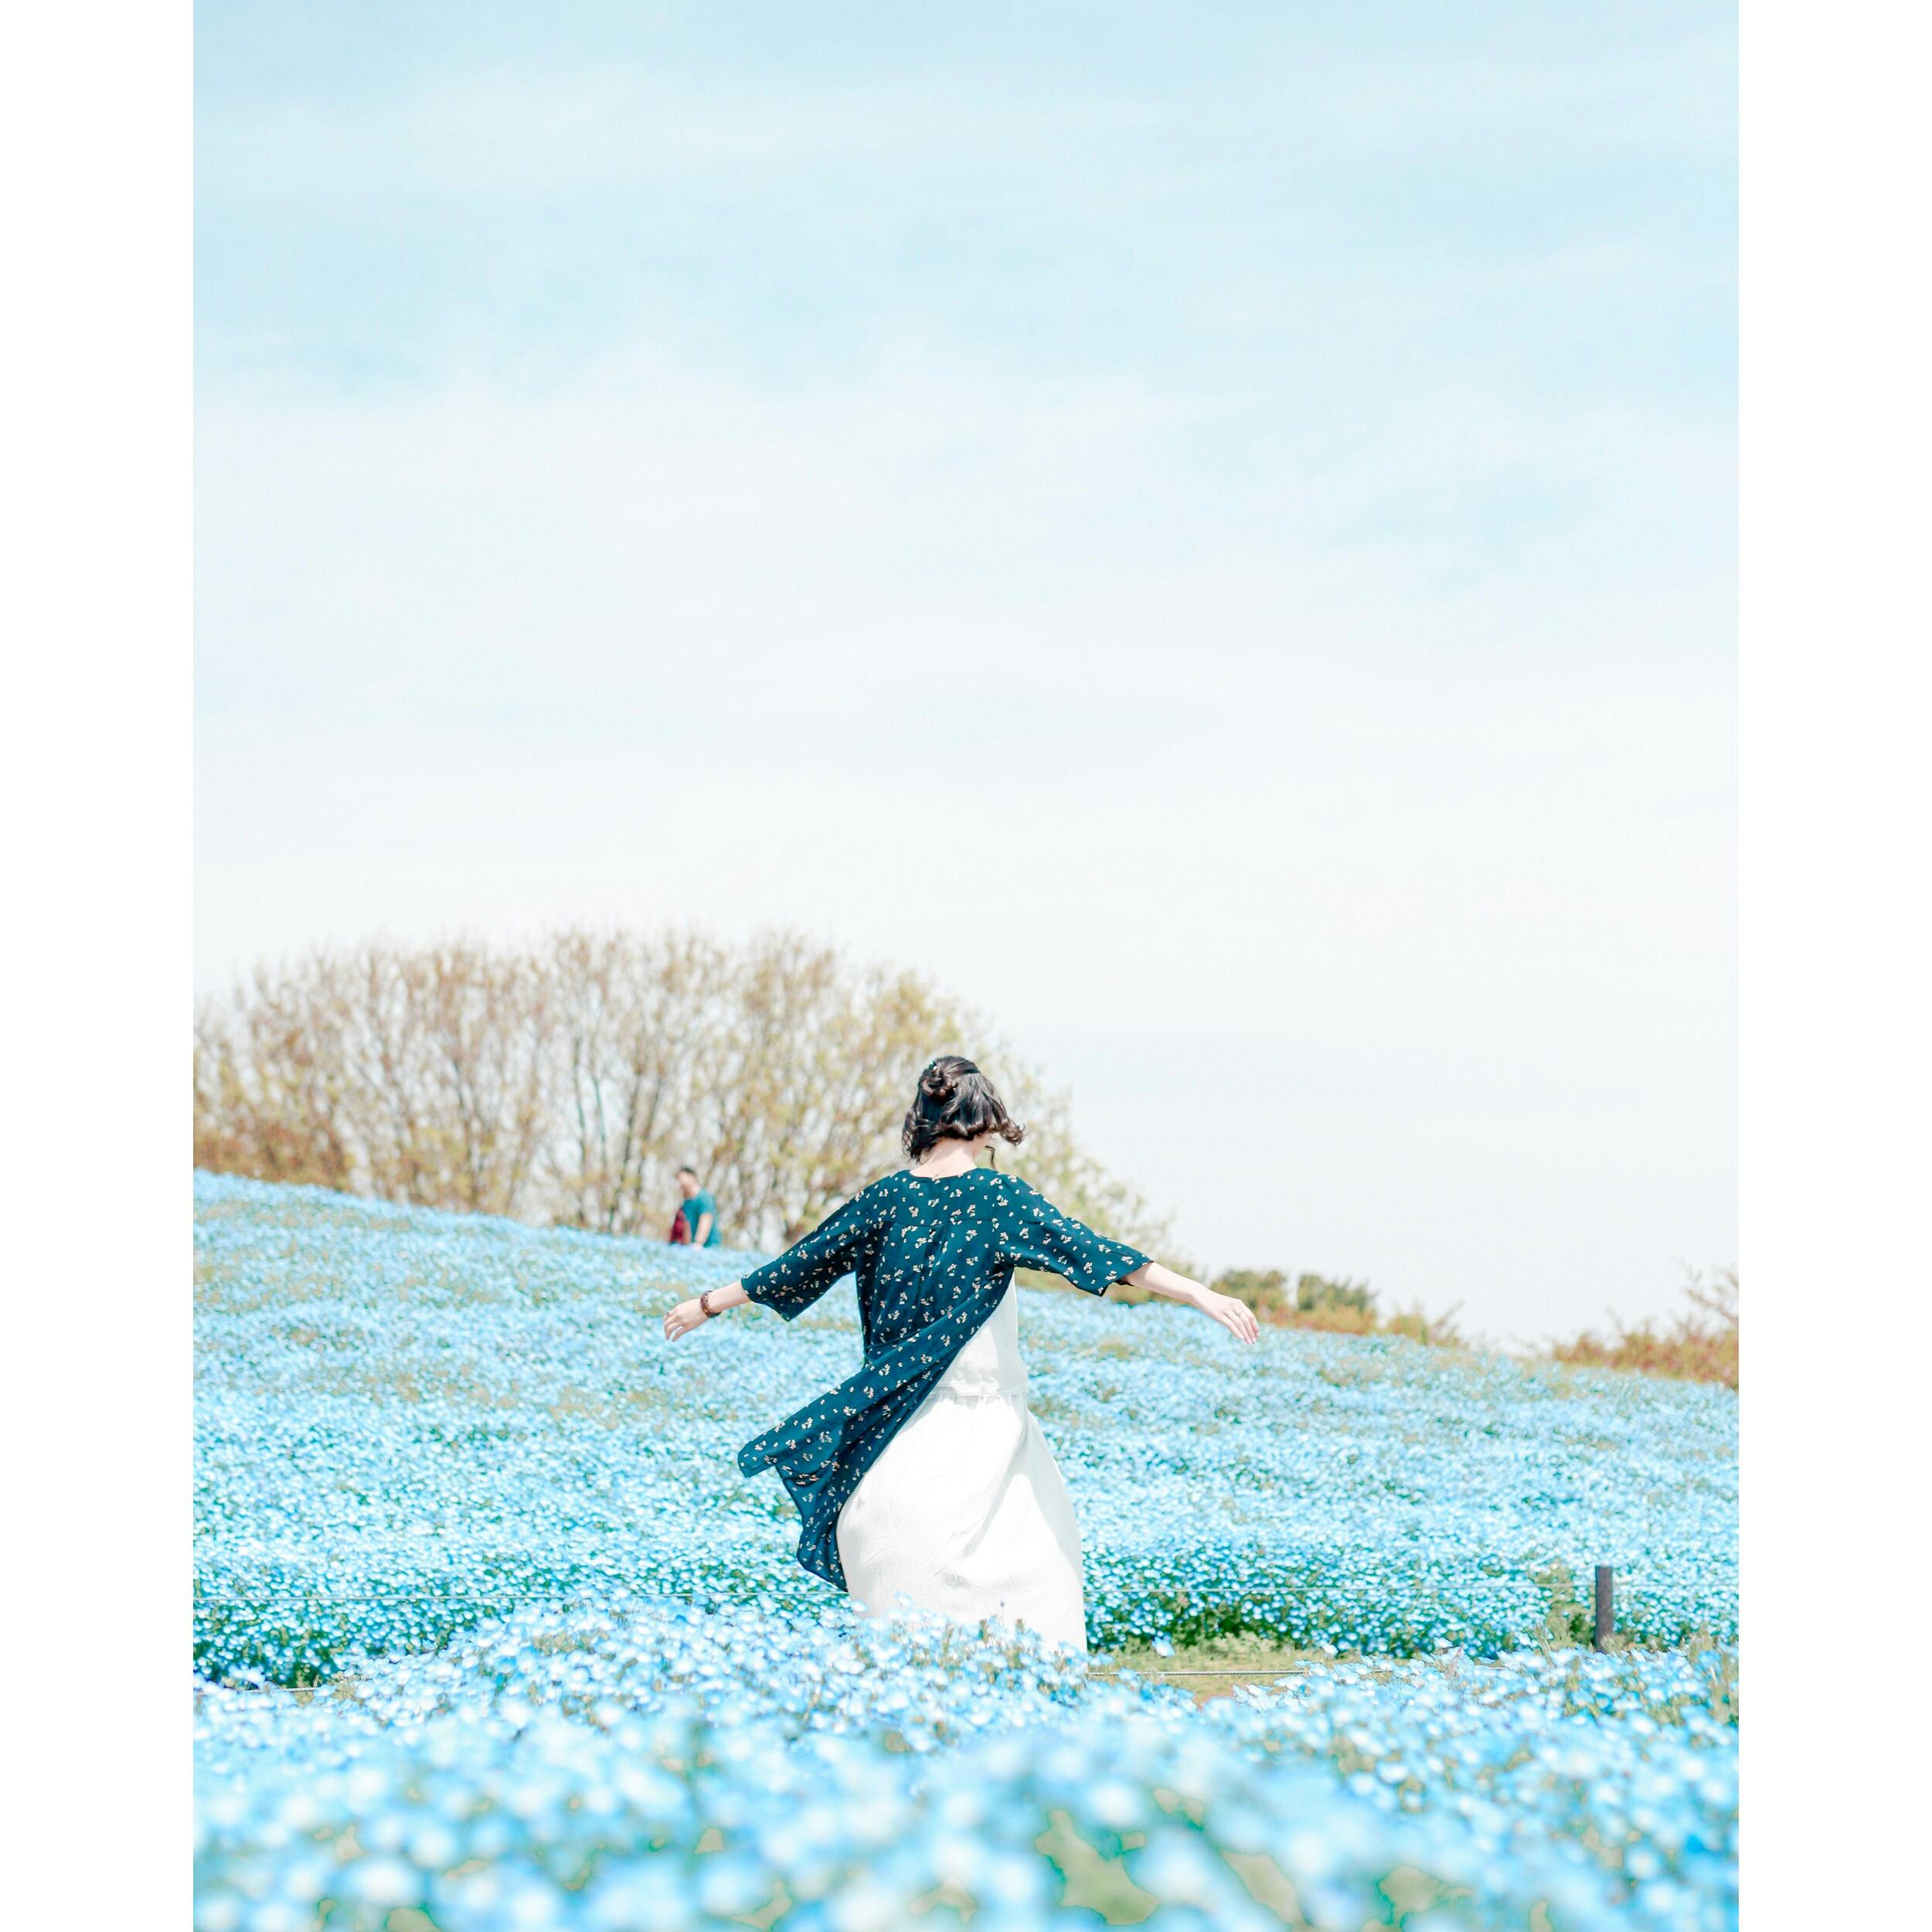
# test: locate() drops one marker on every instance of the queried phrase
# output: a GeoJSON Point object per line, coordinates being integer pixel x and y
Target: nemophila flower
{"type": "Point", "coordinates": [566, 1673]}
{"type": "Point", "coordinates": [411, 1421]}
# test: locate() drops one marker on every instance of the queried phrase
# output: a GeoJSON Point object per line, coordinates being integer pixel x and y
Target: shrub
{"type": "Point", "coordinates": [1699, 1346]}
{"type": "Point", "coordinates": [1335, 1307]}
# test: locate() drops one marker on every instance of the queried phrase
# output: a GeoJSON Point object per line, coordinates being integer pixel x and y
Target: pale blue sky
{"type": "Point", "coordinates": [652, 459]}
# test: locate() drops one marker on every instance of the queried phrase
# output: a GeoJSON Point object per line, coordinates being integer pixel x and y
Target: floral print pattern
{"type": "Point", "coordinates": [932, 1257]}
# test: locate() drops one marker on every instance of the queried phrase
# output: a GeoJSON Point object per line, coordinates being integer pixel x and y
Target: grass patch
{"type": "Point", "coordinates": [1213, 1668]}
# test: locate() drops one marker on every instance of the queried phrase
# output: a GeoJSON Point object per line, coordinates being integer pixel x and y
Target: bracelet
{"type": "Point", "coordinates": [704, 1302]}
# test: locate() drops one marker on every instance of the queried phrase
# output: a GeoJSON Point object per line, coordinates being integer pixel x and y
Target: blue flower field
{"type": "Point", "coordinates": [490, 1633]}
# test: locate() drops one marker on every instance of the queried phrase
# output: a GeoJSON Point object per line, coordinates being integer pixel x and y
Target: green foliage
{"type": "Point", "coordinates": [1315, 1295]}
{"type": "Point", "coordinates": [1342, 1307]}
{"type": "Point", "coordinates": [1264, 1290]}
{"type": "Point", "coordinates": [1568, 1618]}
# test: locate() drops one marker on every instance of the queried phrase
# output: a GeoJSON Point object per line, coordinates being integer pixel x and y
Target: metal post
{"type": "Point", "coordinates": [1606, 1608]}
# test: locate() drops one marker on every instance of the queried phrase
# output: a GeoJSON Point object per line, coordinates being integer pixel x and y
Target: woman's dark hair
{"type": "Point", "coordinates": [955, 1102]}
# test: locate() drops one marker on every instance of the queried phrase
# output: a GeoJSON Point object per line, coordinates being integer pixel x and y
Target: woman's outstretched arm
{"type": "Point", "coordinates": [687, 1315]}
{"type": "Point", "coordinates": [1235, 1316]}
{"type": "Point", "coordinates": [792, 1282]}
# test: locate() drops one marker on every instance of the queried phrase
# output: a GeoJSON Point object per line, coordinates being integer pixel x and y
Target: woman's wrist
{"type": "Point", "coordinates": [720, 1296]}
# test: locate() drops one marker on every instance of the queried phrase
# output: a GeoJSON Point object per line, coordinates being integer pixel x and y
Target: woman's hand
{"type": "Point", "coordinates": [682, 1319]}
{"type": "Point", "coordinates": [687, 1315]}
{"type": "Point", "coordinates": [1233, 1315]}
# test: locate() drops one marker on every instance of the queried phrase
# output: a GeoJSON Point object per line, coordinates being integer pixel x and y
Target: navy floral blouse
{"type": "Point", "coordinates": [934, 1259]}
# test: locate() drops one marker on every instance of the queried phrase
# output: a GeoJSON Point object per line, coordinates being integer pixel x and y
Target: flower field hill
{"type": "Point", "coordinates": [408, 1419]}
{"type": "Point", "coordinates": [553, 1664]}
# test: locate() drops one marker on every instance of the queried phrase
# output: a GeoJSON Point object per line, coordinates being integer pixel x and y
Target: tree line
{"type": "Point", "coordinates": [565, 1079]}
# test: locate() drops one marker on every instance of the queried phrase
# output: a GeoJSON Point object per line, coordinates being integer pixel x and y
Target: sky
{"type": "Point", "coordinates": [1209, 531]}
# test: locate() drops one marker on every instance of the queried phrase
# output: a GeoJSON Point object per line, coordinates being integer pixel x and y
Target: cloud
{"type": "Point", "coordinates": [1224, 555]}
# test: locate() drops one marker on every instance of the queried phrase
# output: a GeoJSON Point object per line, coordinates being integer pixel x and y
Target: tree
{"type": "Point", "coordinates": [565, 1080]}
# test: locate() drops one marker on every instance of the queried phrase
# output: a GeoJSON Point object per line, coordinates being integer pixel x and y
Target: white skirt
{"type": "Point", "coordinates": [965, 1511]}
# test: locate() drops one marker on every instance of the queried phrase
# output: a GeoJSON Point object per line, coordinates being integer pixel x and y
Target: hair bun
{"type": "Point", "coordinates": [955, 1101]}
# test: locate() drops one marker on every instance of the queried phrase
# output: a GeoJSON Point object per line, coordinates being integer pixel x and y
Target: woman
{"type": "Point", "coordinates": [925, 1475]}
